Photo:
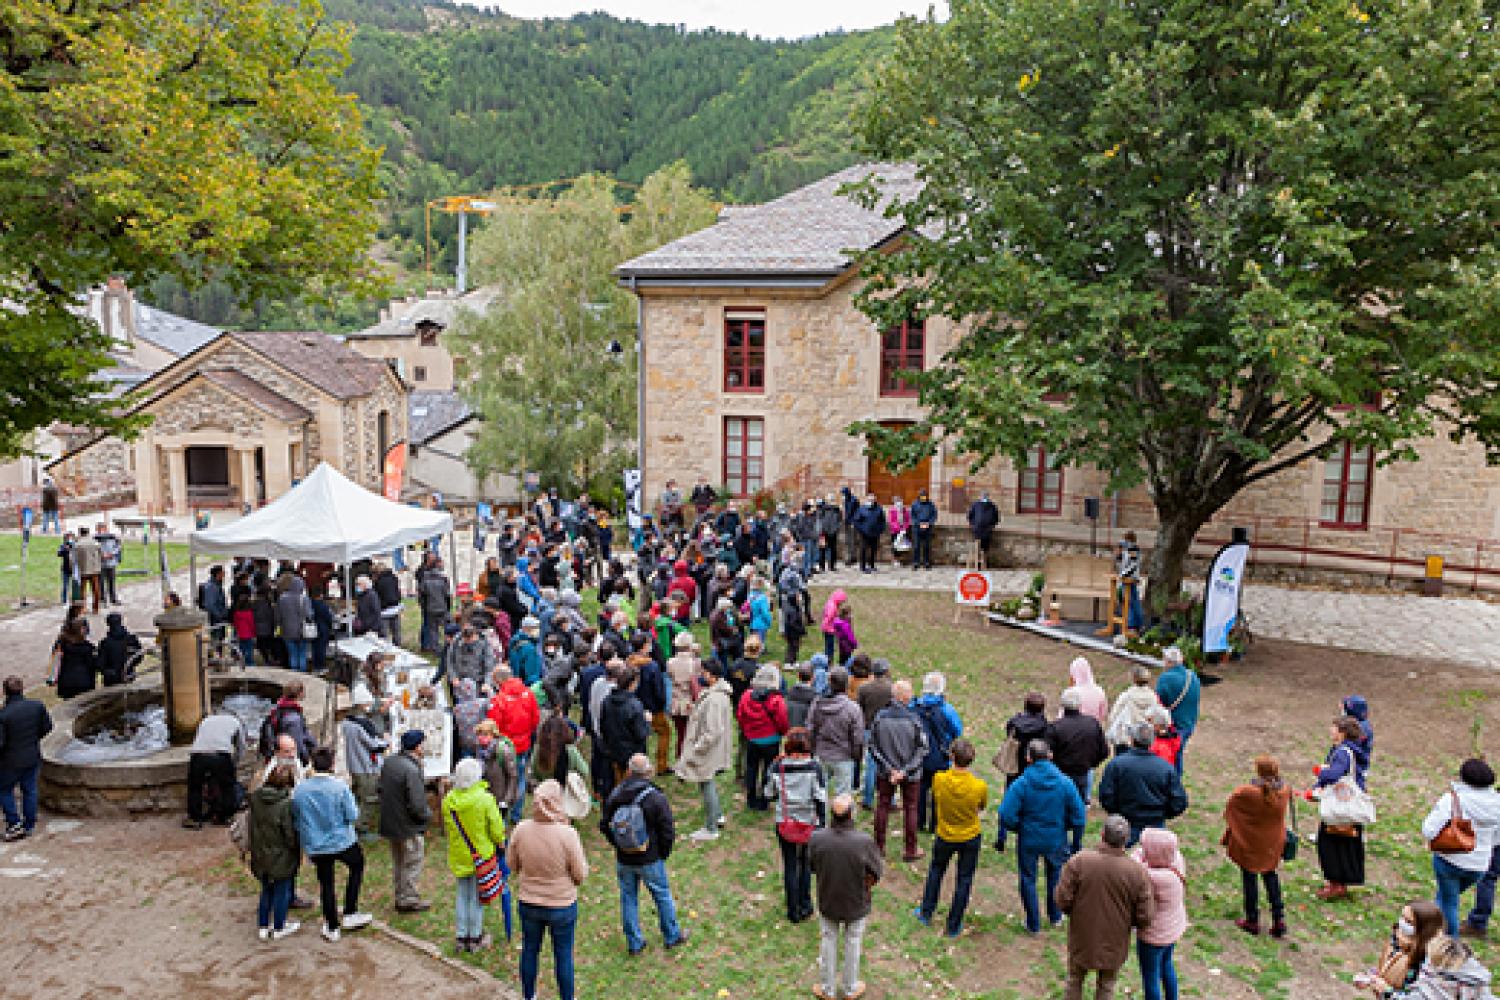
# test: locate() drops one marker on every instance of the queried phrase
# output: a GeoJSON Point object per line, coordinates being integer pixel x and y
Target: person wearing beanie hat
{"type": "Point", "coordinates": [403, 819]}
{"type": "Point", "coordinates": [471, 818]}
{"type": "Point", "coordinates": [1471, 797]}
{"type": "Point", "coordinates": [763, 722]}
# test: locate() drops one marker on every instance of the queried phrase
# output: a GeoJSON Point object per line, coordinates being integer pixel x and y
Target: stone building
{"type": "Point", "coordinates": [243, 416]}
{"type": "Point", "coordinates": [442, 429]}
{"type": "Point", "coordinates": [756, 360]}
{"type": "Point", "coordinates": [410, 335]}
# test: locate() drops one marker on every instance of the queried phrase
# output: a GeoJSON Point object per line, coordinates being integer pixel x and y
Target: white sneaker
{"type": "Point", "coordinates": [264, 933]}
{"type": "Point", "coordinates": [702, 835]}
{"type": "Point", "coordinates": [722, 821]}
{"type": "Point", "coordinates": [288, 929]}
{"type": "Point", "coordinates": [330, 934]}
{"type": "Point", "coordinates": [354, 921]}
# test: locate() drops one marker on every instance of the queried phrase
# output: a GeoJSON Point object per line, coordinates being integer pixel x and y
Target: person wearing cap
{"type": "Point", "coordinates": [363, 746]}
{"type": "Point", "coordinates": [471, 808]}
{"type": "Point", "coordinates": [525, 657]}
{"type": "Point", "coordinates": [325, 813]}
{"type": "Point", "coordinates": [403, 819]}
{"type": "Point", "coordinates": [1471, 797]}
{"type": "Point", "coordinates": [708, 744]}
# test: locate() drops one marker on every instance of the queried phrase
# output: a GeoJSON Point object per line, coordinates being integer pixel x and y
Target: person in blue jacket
{"type": "Point", "coordinates": [924, 516]}
{"type": "Point", "coordinates": [1178, 689]}
{"type": "Point", "coordinates": [325, 812]}
{"type": "Point", "coordinates": [760, 609]}
{"type": "Point", "coordinates": [1044, 810]}
{"type": "Point", "coordinates": [525, 658]}
{"type": "Point", "coordinates": [943, 725]}
{"type": "Point", "coordinates": [869, 524]}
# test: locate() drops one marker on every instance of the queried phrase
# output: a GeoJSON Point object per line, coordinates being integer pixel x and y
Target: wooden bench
{"type": "Point", "coordinates": [1076, 582]}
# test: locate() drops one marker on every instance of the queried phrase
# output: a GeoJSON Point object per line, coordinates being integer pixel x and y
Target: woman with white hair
{"type": "Point", "coordinates": [1131, 708]}
{"type": "Point", "coordinates": [471, 818]}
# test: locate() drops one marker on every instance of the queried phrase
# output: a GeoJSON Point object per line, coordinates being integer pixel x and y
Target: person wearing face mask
{"type": "Point", "coordinates": [869, 524]}
{"type": "Point", "coordinates": [1401, 960]}
{"type": "Point", "coordinates": [924, 515]}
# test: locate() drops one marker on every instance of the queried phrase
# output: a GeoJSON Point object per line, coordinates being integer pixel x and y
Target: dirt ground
{"type": "Point", "coordinates": [141, 909]}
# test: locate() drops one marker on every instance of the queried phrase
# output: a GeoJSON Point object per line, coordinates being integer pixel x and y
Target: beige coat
{"type": "Point", "coordinates": [682, 668]}
{"type": "Point", "coordinates": [545, 855]}
{"type": "Point", "coordinates": [708, 743]}
{"type": "Point", "coordinates": [1130, 708]}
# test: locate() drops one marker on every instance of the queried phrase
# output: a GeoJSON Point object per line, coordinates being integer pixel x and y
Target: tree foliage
{"type": "Point", "coordinates": [1219, 229]}
{"type": "Point", "coordinates": [178, 137]}
{"type": "Point", "coordinates": [552, 396]}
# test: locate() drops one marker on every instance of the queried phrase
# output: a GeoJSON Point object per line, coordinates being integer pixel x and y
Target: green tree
{"type": "Point", "coordinates": [176, 137]}
{"type": "Point", "coordinates": [553, 397]}
{"type": "Point", "coordinates": [1221, 229]}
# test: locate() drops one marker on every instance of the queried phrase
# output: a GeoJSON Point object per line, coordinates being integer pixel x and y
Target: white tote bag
{"type": "Point", "coordinates": [1344, 803]}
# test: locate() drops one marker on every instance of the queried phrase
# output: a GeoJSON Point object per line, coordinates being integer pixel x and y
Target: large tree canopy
{"type": "Point", "coordinates": [149, 137]}
{"type": "Point", "coordinates": [554, 398]}
{"type": "Point", "coordinates": [1214, 227]}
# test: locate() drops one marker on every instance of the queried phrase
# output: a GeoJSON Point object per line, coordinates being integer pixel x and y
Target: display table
{"type": "Point", "coordinates": [405, 673]}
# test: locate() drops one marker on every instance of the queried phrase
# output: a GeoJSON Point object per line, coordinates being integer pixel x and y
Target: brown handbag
{"type": "Point", "coordinates": [1457, 835]}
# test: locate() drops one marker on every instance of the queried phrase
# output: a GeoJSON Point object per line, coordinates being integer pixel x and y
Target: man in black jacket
{"type": "Point", "coordinates": [23, 723]}
{"type": "Point", "coordinates": [622, 723]}
{"type": "Point", "coordinates": [1078, 744]}
{"type": "Point", "coordinates": [1141, 786]}
{"type": "Point", "coordinates": [403, 819]}
{"type": "Point", "coordinates": [388, 590]}
{"type": "Point", "coordinates": [637, 807]}
{"type": "Point", "coordinates": [1030, 724]}
{"type": "Point", "coordinates": [984, 516]}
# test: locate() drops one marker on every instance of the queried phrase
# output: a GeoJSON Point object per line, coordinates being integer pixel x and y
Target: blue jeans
{"type": "Point", "coordinates": [655, 877]}
{"type": "Point", "coordinates": [1484, 895]}
{"type": "Point", "coordinates": [468, 914]}
{"type": "Point", "coordinates": [1158, 974]}
{"type": "Point", "coordinates": [840, 776]}
{"type": "Point", "coordinates": [1135, 616]}
{"type": "Point", "coordinates": [1026, 859]}
{"type": "Point", "coordinates": [867, 792]}
{"type": "Point", "coordinates": [1186, 732]}
{"type": "Point", "coordinates": [968, 860]}
{"type": "Point", "coordinates": [296, 654]}
{"type": "Point", "coordinates": [562, 921]}
{"type": "Point", "coordinates": [26, 778]}
{"type": "Point", "coordinates": [523, 762]}
{"type": "Point", "coordinates": [1452, 881]}
{"type": "Point", "coordinates": [247, 651]}
{"type": "Point", "coordinates": [809, 560]}
{"type": "Point", "coordinates": [67, 588]}
{"type": "Point", "coordinates": [432, 632]}
{"type": "Point", "coordinates": [275, 900]}
{"type": "Point", "coordinates": [51, 521]}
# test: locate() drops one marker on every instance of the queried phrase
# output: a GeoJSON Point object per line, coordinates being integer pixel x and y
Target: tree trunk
{"type": "Point", "coordinates": [1174, 536]}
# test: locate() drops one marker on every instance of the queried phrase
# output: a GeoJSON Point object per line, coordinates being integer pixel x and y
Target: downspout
{"type": "Point", "coordinates": [640, 385]}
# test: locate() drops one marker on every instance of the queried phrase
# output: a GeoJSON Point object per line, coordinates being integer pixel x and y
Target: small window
{"type": "Point", "coordinates": [1346, 487]}
{"type": "Point", "coordinates": [744, 455]}
{"type": "Point", "coordinates": [745, 350]}
{"type": "Point", "coordinates": [1040, 490]}
{"type": "Point", "coordinates": [427, 333]}
{"type": "Point", "coordinates": [418, 373]}
{"type": "Point", "coordinates": [902, 349]}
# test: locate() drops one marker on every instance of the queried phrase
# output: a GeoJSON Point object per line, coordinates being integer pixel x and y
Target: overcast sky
{"type": "Point", "coordinates": [767, 18]}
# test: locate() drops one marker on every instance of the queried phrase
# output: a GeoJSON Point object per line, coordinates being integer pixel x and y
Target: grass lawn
{"type": "Point", "coordinates": [42, 579]}
{"type": "Point", "coordinates": [1281, 699]}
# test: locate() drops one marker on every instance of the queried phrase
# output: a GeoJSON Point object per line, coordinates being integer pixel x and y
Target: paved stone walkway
{"type": "Point", "coordinates": [1444, 628]}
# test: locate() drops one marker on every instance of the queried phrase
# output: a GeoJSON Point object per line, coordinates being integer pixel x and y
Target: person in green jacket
{"type": "Point", "coordinates": [275, 851]}
{"type": "Point", "coordinates": [470, 806]}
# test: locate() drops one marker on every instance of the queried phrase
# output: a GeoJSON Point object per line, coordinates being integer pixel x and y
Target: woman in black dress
{"type": "Point", "coordinates": [1341, 849]}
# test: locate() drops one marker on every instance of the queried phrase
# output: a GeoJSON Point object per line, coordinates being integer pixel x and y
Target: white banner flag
{"type": "Point", "coordinates": [1221, 596]}
{"type": "Point", "coordinates": [633, 498]}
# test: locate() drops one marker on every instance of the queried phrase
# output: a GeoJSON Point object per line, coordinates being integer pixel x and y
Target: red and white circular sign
{"type": "Point", "coordinates": [973, 588]}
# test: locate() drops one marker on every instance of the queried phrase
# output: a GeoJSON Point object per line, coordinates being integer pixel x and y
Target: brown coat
{"type": "Point", "coordinates": [1105, 894]}
{"type": "Point", "coordinates": [544, 853]}
{"type": "Point", "coordinates": [1256, 827]}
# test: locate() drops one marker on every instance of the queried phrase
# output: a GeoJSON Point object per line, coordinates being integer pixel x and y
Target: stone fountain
{"type": "Point", "coordinates": [124, 750]}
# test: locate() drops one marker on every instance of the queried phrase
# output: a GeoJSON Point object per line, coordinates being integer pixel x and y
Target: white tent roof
{"type": "Point", "coordinates": [324, 518]}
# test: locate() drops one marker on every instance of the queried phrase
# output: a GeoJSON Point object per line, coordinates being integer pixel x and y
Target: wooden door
{"type": "Point", "coordinates": [886, 484]}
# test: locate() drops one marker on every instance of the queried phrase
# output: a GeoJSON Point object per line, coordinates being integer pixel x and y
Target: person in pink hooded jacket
{"type": "Point", "coordinates": [836, 601]}
{"type": "Point", "coordinates": [1092, 699]}
{"type": "Point", "coordinates": [898, 519]}
{"type": "Point", "coordinates": [1154, 942]}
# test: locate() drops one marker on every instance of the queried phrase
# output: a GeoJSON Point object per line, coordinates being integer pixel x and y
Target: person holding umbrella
{"type": "Point", "coordinates": [471, 818]}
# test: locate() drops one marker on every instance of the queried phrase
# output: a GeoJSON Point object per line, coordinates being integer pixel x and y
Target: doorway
{"type": "Point", "coordinates": [886, 484]}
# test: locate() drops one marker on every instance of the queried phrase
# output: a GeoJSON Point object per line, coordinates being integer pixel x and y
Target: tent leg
{"type": "Point", "coordinates": [193, 577]}
{"type": "Point", "coordinates": [349, 593]}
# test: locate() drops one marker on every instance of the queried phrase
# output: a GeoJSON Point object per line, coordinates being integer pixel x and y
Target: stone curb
{"type": "Point", "coordinates": [435, 953]}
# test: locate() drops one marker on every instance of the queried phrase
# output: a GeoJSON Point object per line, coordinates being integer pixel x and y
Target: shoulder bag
{"type": "Point", "coordinates": [1457, 835]}
{"type": "Point", "coordinates": [1007, 759]}
{"type": "Point", "coordinates": [1344, 803]}
{"type": "Point", "coordinates": [487, 876]}
{"type": "Point", "coordinates": [793, 831]}
{"type": "Point", "coordinates": [1289, 845]}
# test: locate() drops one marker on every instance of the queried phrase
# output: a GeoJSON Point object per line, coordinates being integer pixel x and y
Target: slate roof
{"type": "Point", "coordinates": [440, 310]}
{"type": "Point", "coordinates": [806, 233]}
{"type": "Point", "coordinates": [171, 332]}
{"type": "Point", "coordinates": [320, 360]}
{"type": "Point", "coordinates": [431, 412]}
{"type": "Point", "coordinates": [263, 396]}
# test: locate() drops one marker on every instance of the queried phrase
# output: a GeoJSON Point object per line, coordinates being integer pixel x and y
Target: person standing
{"type": "Point", "coordinates": [1092, 699]}
{"type": "Point", "coordinates": [1022, 729]}
{"type": "Point", "coordinates": [683, 670]}
{"type": "Point", "coordinates": [1142, 787]}
{"type": "Point", "coordinates": [1341, 849]}
{"type": "Point", "coordinates": [623, 723]}
{"type": "Point", "coordinates": [364, 744]}
{"type": "Point", "coordinates": [117, 651]}
{"type": "Point", "coordinates": [869, 524]}
{"type": "Point", "coordinates": [983, 517]}
{"type": "Point", "coordinates": [837, 728]}
{"type": "Point", "coordinates": [67, 568]}
{"type": "Point", "coordinates": [51, 507]}
{"type": "Point", "coordinates": [213, 792]}
{"type": "Point", "coordinates": [795, 784]}
{"type": "Point", "coordinates": [1132, 707]}
{"type": "Point", "coordinates": [763, 722]}
{"type": "Point", "coordinates": [637, 822]}
{"type": "Point", "coordinates": [88, 564]}
{"type": "Point", "coordinates": [707, 745]}
{"type": "Point", "coordinates": [924, 515]}
{"type": "Point", "coordinates": [387, 588]}
{"type": "Point", "coordinates": [941, 723]}
{"type": "Point", "coordinates": [847, 865]}
{"type": "Point", "coordinates": [110, 551]}
{"type": "Point", "coordinates": [1128, 570]}
{"type": "Point", "coordinates": [275, 852]}
{"type": "Point", "coordinates": [293, 618]}
{"type": "Point", "coordinates": [435, 598]}
{"type": "Point", "coordinates": [211, 599]}
{"type": "Point", "coordinates": [325, 812]}
{"type": "Point", "coordinates": [1254, 838]}
{"type": "Point", "coordinates": [830, 519]}
{"type": "Point", "coordinates": [1078, 743]}
{"type": "Point", "coordinates": [471, 820]}
{"type": "Point", "coordinates": [898, 520]}
{"type": "Point", "coordinates": [872, 696]}
{"type": "Point", "coordinates": [1178, 689]}
{"type": "Point", "coordinates": [548, 865]}
{"type": "Point", "coordinates": [1155, 940]}
{"type": "Point", "coordinates": [898, 745]}
{"type": "Point", "coordinates": [1471, 797]}
{"type": "Point", "coordinates": [1105, 894]}
{"type": "Point", "coordinates": [404, 816]}
{"type": "Point", "coordinates": [958, 800]}
{"type": "Point", "coordinates": [515, 712]}
{"type": "Point", "coordinates": [1046, 813]}
{"type": "Point", "coordinates": [23, 723]}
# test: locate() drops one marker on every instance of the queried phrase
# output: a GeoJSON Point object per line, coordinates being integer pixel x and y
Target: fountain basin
{"type": "Point", "coordinates": [157, 782]}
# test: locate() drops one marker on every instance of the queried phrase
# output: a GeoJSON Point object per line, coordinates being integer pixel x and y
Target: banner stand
{"type": "Point", "coordinates": [1221, 599]}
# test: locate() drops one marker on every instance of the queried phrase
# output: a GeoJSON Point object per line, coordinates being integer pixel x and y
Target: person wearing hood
{"type": "Point", "coordinates": [831, 608]}
{"type": "Point", "coordinates": [1131, 709]}
{"type": "Point", "coordinates": [837, 728]}
{"type": "Point", "coordinates": [471, 819]}
{"type": "Point", "coordinates": [760, 609]}
{"type": "Point", "coordinates": [983, 518]}
{"type": "Point", "coordinates": [707, 744]}
{"type": "Point", "coordinates": [1024, 727]}
{"type": "Point", "coordinates": [526, 584]}
{"type": "Point", "coordinates": [959, 799]}
{"type": "Point", "coordinates": [1142, 787]}
{"type": "Point", "coordinates": [1078, 743]}
{"type": "Point", "coordinates": [547, 866]}
{"type": "Point", "coordinates": [1357, 708]}
{"type": "Point", "coordinates": [1471, 797]}
{"type": "Point", "coordinates": [525, 658]}
{"type": "Point", "coordinates": [1341, 850]}
{"type": "Point", "coordinates": [1044, 810]}
{"type": "Point", "coordinates": [1092, 699]}
{"type": "Point", "coordinates": [1451, 972]}
{"type": "Point", "coordinates": [762, 716]}
{"type": "Point", "coordinates": [869, 525]}
{"type": "Point", "coordinates": [1155, 940]}
{"type": "Point", "coordinates": [1178, 689]}
{"type": "Point", "coordinates": [275, 852]}
{"type": "Point", "coordinates": [117, 650]}
{"type": "Point", "coordinates": [1255, 839]}
{"type": "Point", "coordinates": [364, 745]}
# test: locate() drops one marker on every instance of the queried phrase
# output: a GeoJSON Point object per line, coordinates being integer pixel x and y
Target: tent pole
{"type": "Point", "coordinates": [349, 592]}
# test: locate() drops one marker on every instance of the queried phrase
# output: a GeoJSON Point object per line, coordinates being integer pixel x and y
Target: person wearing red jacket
{"type": "Point", "coordinates": [762, 716]}
{"type": "Point", "coordinates": [683, 580]}
{"type": "Point", "coordinates": [515, 712]}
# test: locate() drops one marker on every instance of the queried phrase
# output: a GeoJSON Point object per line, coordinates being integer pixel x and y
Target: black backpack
{"type": "Point", "coordinates": [270, 728]}
{"type": "Point", "coordinates": [939, 735]}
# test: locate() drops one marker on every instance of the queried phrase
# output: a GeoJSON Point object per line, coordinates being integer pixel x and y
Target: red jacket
{"type": "Point", "coordinates": [1168, 747]}
{"type": "Point", "coordinates": [515, 712]}
{"type": "Point", "coordinates": [762, 719]}
{"type": "Point", "coordinates": [685, 583]}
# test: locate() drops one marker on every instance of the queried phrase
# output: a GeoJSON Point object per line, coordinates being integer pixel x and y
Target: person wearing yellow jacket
{"type": "Point", "coordinates": [471, 805]}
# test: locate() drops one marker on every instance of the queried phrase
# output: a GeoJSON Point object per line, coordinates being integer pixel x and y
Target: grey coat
{"type": "Point", "coordinates": [898, 742]}
{"type": "Point", "coordinates": [837, 727]}
{"type": "Point", "coordinates": [403, 798]}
